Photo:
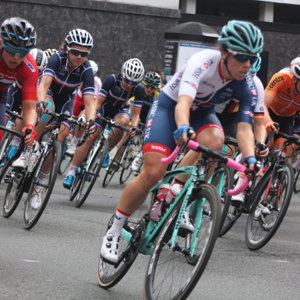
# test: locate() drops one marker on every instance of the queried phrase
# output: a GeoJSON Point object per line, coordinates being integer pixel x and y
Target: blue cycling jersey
{"type": "Point", "coordinates": [64, 82]}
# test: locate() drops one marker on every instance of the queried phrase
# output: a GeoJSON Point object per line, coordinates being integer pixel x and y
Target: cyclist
{"type": "Point", "coordinates": [78, 109]}
{"type": "Point", "coordinates": [65, 72]}
{"type": "Point", "coordinates": [18, 36]}
{"type": "Point", "coordinates": [282, 99]}
{"type": "Point", "coordinates": [151, 83]}
{"type": "Point", "coordinates": [113, 102]}
{"type": "Point", "coordinates": [14, 96]}
{"type": "Point", "coordinates": [208, 78]}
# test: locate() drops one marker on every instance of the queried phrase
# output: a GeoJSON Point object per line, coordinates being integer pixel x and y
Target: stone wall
{"type": "Point", "coordinates": [120, 31]}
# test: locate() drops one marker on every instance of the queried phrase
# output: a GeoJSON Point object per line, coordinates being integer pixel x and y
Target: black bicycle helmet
{"type": "Point", "coordinates": [18, 33]}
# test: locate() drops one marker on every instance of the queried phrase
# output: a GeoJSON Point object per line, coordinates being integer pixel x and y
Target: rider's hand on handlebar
{"type": "Point", "coordinates": [181, 134]}
{"type": "Point", "coordinates": [271, 126]}
{"type": "Point", "coordinates": [91, 126]}
{"type": "Point", "coordinates": [31, 137]}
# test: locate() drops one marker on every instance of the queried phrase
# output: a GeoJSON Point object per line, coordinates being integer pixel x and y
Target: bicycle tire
{"type": "Point", "coordinates": [66, 158]}
{"type": "Point", "coordinates": [297, 182]}
{"type": "Point", "coordinates": [5, 163]}
{"type": "Point", "coordinates": [31, 216]}
{"type": "Point", "coordinates": [162, 287]}
{"type": "Point", "coordinates": [223, 176]}
{"type": "Point", "coordinates": [14, 191]}
{"type": "Point", "coordinates": [94, 172]}
{"type": "Point", "coordinates": [126, 169]}
{"type": "Point", "coordinates": [279, 193]}
{"type": "Point", "coordinates": [109, 275]}
{"type": "Point", "coordinates": [115, 164]}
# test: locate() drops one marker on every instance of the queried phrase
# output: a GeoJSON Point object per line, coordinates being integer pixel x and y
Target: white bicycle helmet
{"type": "Point", "coordinates": [133, 69]}
{"type": "Point", "coordinates": [40, 58]}
{"type": "Point", "coordinates": [79, 37]}
{"type": "Point", "coordinates": [295, 67]}
{"type": "Point", "coordinates": [94, 67]}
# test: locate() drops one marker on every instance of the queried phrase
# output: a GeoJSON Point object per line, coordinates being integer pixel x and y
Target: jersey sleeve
{"type": "Point", "coordinates": [194, 72]}
{"type": "Point", "coordinates": [29, 79]}
{"type": "Point", "coordinates": [259, 107]}
{"type": "Point", "coordinates": [139, 95]}
{"type": "Point", "coordinates": [88, 86]}
{"type": "Point", "coordinates": [247, 96]}
{"type": "Point", "coordinates": [108, 84]}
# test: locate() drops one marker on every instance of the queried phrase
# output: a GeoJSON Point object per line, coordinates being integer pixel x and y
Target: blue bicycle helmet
{"type": "Point", "coordinates": [256, 66]}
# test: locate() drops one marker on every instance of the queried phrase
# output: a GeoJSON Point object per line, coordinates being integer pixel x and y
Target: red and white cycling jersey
{"type": "Point", "coordinates": [78, 101]}
{"type": "Point", "coordinates": [27, 73]}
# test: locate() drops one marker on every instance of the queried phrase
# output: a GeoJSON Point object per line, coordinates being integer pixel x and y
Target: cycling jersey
{"type": "Point", "coordinates": [65, 83]}
{"type": "Point", "coordinates": [281, 87]}
{"type": "Point", "coordinates": [147, 102]}
{"type": "Point", "coordinates": [117, 99]}
{"type": "Point", "coordinates": [26, 73]}
{"type": "Point", "coordinates": [79, 102]}
{"type": "Point", "coordinates": [201, 79]}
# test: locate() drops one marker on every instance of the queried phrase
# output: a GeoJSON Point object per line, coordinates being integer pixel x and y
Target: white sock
{"type": "Point", "coordinates": [72, 170]}
{"type": "Point", "coordinates": [118, 223]}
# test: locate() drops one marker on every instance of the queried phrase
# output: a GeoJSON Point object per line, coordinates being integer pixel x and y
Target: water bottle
{"type": "Point", "coordinates": [156, 210]}
{"type": "Point", "coordinates": [173, 192]}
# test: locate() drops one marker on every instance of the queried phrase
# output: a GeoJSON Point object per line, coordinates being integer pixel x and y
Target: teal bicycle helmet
{"type": "Point", "coordinates": [242, 36]}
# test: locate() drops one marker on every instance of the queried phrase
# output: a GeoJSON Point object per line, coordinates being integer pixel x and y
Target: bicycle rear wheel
{"type": "Point", "coordinates": [14, 191]}
{"type": "Point", "coordinates": [173, 273]}
{"type": "Point", "coordinates": [108, 274]}
{"type": "Point", "coordinates": [126, 168]}
{"type": "Point", "coordinates": [90, 175]}
{"type": "Point", "coordinates": [297, 182]}
{"type": "Point", "coordinates": [275, 196]}
{"type": "Point", "coordinates": [32, 214]}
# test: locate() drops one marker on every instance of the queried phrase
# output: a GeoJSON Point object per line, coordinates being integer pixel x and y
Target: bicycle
{"type": "Point", "coordinates": [265, 192]}
{"type": "Point", "coordinates": [89, 170]}
{"type": "Point", "coordinates": [123, 159]}
{"type": "Point", "coordinates": [50, 155]}
{"type": "Point", "coordinates": [165, 241]}
{"type": "Point", "coordinates": [5, 161]}
{"type": "Point", "coordinates": [15, 179]}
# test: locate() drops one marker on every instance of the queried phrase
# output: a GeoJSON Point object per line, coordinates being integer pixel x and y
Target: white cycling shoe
{"type": "Point", "coordinates": [110, 248]}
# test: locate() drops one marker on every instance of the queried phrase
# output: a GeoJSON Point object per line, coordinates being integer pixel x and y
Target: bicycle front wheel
{"type": "Point", "coordinates": [90, 175]}
{"type": "Point", "coordinates": [14, 191]}
{"type": "Point", "coordinates": [272, 198]}
{"type": "Point", "coordinates": [115, 164]}
{"type": "Point", "coordinates": [172, 273]}
{"type": "Point", "coordinates": [33, 212]}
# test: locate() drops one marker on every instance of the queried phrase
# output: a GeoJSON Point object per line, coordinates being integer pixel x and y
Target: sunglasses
{"type": "Point", "coordinates": [241, 57]}
{"type": "Point", "coordinates": [149, 86]}
{"type": "Point", "coordinates": [77, 52]}
{"type": "Point", "coordinates": [130, 81]}
{"type": "Point", "coordinates": [13, 51]}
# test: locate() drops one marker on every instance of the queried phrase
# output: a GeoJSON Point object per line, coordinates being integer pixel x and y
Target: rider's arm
{"type": "Point", "coordinates": [135, 115]}
{"type": "Point", "coordinates": [182, 110]}
{"type": "Point", "coordinates": [43, 87]}
{"type": "Point", "coordinates": [99, 101]}
{"type": "Point", "coordinates": [245, 139]}
{"type": "Point", "coordinates": [268, 100]}
{"type": "Point", "coordinates": [89, 105]}
{"type": "Point", "coordinates": [29, 112]}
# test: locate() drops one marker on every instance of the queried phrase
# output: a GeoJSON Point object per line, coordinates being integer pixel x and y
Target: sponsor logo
{"type": "Point", "coordinates": [249, 113]}
{"type": "Point", "coordinates": [275, 81]}
{"type": "Point", "coordinates": [160, 148]}
{"type": "Point", "coordinates": [198, 72]}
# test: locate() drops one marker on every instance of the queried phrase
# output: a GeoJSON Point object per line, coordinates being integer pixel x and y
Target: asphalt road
{"type": "Point", "coordinates": [57, 259]}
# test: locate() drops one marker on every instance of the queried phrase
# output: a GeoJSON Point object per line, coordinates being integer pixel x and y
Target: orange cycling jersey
{"type": "Point", "coordinates": [285, 100]}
